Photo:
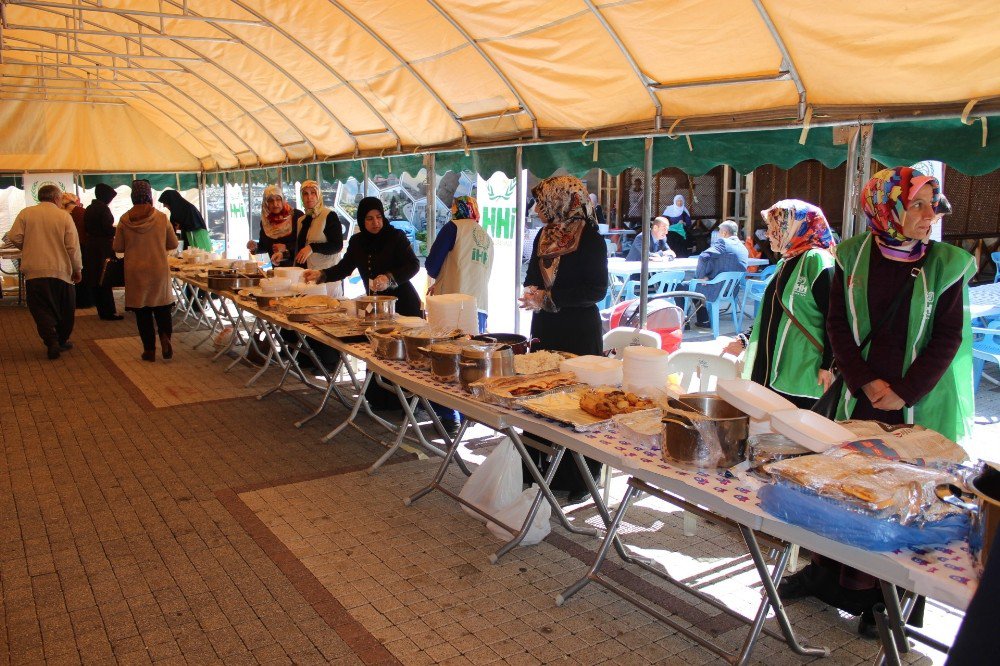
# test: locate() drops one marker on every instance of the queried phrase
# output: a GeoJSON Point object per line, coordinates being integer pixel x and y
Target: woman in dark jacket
{"type": "Point", "coordinates": [383, 257]}
{"type": "Point", "coordinates": [99, 224]}
{"type": "Point", "coordinates": [187, 219]}
{"type": "Point", "coordinates": [567, 276]}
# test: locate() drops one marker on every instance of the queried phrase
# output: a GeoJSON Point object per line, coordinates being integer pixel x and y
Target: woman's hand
{"type": "Point", "coordinates": [532, 299]}
{"type": "Point", "coordinates": [889, 401]}
{"type": "Point", "coordinates": [875, 389]}
{"type": "Point", "coordinates": [430, 289]}
{"type": "Point", "coordinates": [734, 348]}
{"type": "Point", "coordinates": [824, 378]}
{"type": "Point", "coordinates": [311, 275]}
{"type": "Point", "coordinates": [303, 254]}
{"type": "Point", "coordinates": [277, 257]}
{"type": "Point", "coordinates": [252, 246]}
{"type": "Point", "coordinates": [380, 283]}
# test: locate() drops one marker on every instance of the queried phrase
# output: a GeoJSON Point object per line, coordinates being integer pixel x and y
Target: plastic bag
{"type": "Point", "coordinates": [496, 483]}
{"type": "Point", "coordinates": [833, 519]}
{"type": "Point", "coordinates": [223, 338]}
{"type": "Point", "coordinates": [515, 513]}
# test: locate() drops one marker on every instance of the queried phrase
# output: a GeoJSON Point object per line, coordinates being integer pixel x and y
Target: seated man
{"type": "Point", "coordinates": [657, 242]}
{"type": "Point", "coordinates": [725, 254]}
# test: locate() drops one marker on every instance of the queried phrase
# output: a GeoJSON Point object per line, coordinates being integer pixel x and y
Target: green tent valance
{"type": "Point", "coordinates": [11, 180]}
{"type": "Point", "coordinates": [382, 167]}
{"type": "Point", "coordinates": [485, 161]}
{"type": "Point", "coordinates": [957, 145]}
{"type": "Point", "coordinates": [334, 172]}
{"type": "Point", "coordinates": [612, 156]}
{"type": "Point", "coordinates": [158, 181]}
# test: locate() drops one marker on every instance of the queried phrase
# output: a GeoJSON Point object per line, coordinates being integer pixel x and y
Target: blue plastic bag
{"type": "Point", "coordinates": [836, 521]}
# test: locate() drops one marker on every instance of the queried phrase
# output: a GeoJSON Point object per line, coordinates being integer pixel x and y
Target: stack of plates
{"type": "Point", "coordinates": [644, 368]}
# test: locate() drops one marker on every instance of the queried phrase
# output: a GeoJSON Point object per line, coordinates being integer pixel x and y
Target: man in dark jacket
{"type": "Point", "coordinates": [726, 253]}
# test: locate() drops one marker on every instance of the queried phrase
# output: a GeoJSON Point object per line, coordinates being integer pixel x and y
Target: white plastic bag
{"type": "Point", "coordinates": [223, 337]}
{"type": "Point", "coordinates": [496, 483]}
{"type": "Point", "coordinates": [515, 513]}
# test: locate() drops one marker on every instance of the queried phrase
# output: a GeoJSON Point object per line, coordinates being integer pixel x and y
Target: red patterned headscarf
{"type": "Point", "coordinates": [276, 225]}
{"type": "Point", "coordinates": [884, 201]}
{"type": "Point", "coordinates": [799, 225]}
{"type": "Point", "coordinates": [464, 208]}
{"type": "Point", "coordinates": [562, 203]}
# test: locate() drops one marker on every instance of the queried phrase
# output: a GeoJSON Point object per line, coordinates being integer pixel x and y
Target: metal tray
{"type": "Point", "coordinates": [490, 389]}
{"type": "Point", "coordinates": [547, 404]}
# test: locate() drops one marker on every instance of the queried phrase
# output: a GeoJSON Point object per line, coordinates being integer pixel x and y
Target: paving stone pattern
{"type": "Point", "coordinates": [210, 530]}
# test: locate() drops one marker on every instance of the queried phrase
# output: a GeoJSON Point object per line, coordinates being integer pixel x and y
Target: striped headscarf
{"type": "Point", "coordinates": [799, 225]}
{"type": "Point", "coordinates": [464, 208]}
{"type": "Point", "coordinates": [884, 201]}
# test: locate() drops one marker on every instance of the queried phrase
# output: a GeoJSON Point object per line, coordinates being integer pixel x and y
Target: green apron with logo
{"type": "Point", "coordinates": [948, 407]}
{"type": "Point", "coordinates": [199, 238]}
{"type": "Point", "coordinates": [794, 361]}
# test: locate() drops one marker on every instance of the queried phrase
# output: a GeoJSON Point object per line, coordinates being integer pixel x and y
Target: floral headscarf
{"type": "Point", "coordinates": [464, 208]}
{"type": "Point", "coordinates": [561, 202]}
{"type": "Point", "coordinates": [69, 198]}
{"type": "Point", "coordinates": [884, 201]}
{"type": "Point", "coordinates": [142, 192]}
{"type": "Point", "coordinates": [275, 225]}
{"type": "Point", "coordinates": [801, 226]}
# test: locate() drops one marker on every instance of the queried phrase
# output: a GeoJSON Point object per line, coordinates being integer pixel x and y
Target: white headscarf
{"type": "Point", "coordinates": [317, 227]}
{"type": "Point", "coordinates": [675, 210]}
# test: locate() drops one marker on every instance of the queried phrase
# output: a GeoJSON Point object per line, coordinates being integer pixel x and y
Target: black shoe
{"type": "Point", "coordinates": [867, 627]}
{"type": "Point", "coordinates": [796, 586]}
{"type": "Point", "coordinates": [578, 496]}
{"type": "Point", "coordinates": [451, 427]}
{"type": "Point", "coordinates": [53, 352]}
{"type": "Point", "coordinates": [65, 346]}
{"type": "Point", "coordinates": [114, 317]}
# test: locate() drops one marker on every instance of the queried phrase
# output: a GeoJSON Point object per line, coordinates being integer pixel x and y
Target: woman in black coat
{"type": "Point", "coordinates": [382, 255]}
{"type": "Point", "coordinates": [567, 277]}
{"type": "Point", "coordinates": [279, 229]}
{"type": "Point", "coordinates": [99, 224]}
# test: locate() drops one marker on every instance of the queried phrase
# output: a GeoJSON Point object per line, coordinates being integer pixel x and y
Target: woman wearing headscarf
{"type": "Point", "coordinates": [680, 220]}
{"type": "Point", "coordinates": [279, 228]}
{"type": "Point", "coordinates": [187, 219]}
{"type": "Point", "coordinates": [567, 277]}
{"type": "Point", "coordinates": [918, 365]}
{"type": "Point", "coordinates": [461, 257]}
{"type": "Point", "coordinates": [71, 204]}
{"type": "Point", "coordinates": [787, 346]}
{"type": "Point", "coordinates": [99, 224]}
{"type": "Point", "coordinates": [145, 236]}
{"type": "Point", "coordinates": [321, 236]}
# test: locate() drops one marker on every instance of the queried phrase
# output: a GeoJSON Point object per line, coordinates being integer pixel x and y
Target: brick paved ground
{"type": "Point", "coordinates": [142, 526]}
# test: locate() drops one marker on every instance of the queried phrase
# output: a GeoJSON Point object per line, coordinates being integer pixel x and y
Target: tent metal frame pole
{"type": "Point", "coordinates": [430, 210]}
{"type": "Point", "coordinates": [647, 213]}
{"type": "Point", "coordinates": [492, 64]}
{"type": "Point", "coordinates": [406, 65]}
{"type": "Point", "coordinates": [135, 12]}
{"type": "Point", "coordinates": [857, 172]}
{"type": "Point", "coordinates": [126, 35]}
{"type": "Point", "coordinates": [225, 205]}
{"type": "Point", "coordinates": [780, 76]}
{"type": "Point", "coordinates": [337, 75]}
{"type": "Point", "coordinates": [643, 79]}
{"type": "Point", "coordinates": [97, 54]}
{"type": "Point", "coordinates": [110, 68]}
{"type": "Point", "coordinates": [521, 194]}
{"type": "Point", "coordinates": [364, 175]}
{"type": "Point", "coordinates": [786, 57]}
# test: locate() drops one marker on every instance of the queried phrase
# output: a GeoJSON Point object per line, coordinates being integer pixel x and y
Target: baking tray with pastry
{"type": "Point", "coordinates": [586, 408]}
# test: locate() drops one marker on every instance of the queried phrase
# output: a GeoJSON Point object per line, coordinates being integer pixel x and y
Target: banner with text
{"type": "Point", "coordinates": [498, 211]}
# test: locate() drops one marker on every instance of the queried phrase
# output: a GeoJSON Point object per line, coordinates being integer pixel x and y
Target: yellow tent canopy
{"type": "Point", "coordinates": [180, 85]}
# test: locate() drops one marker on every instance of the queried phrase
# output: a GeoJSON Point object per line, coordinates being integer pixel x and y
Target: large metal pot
{"type": "Point", "coordinates": [445, 358]}
{"type": "Point", "coordinates": [714, 436]}
{"type": "Point", "coordinates": [374, 308]}
{"type": "Point", "coordinates": [519, 343]}
{"type": "Point", "coordinates": [480, 361]}
{"type": "Point", "coordinates": [232, 282]}
{"type": "Point", "coordinates": [417, 338]}
{"type": "Point", "coordinates": [386, 343]}
{"type": "Point", "coordinates": [986, 486]}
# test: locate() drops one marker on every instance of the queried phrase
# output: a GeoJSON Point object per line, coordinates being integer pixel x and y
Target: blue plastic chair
{"type": "Point", "coordinates": [995, 256]}
{"type": "Point", "coordinates": [659, 283]}
{"type": "Point", "coordinates": [753, 290]}
{"type": "Point", "coordinates": [729, 286]}
{"type": "Point", "coordinates": [985, 348]}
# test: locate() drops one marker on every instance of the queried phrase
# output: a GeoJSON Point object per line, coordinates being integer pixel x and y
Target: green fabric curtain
{"type": "Point", "coordinates": [341, 171]}
{"type": "Point", "coordinates": [949, 141]}
{"type": "Point", "coordinates": [11, 181]}
{"type": "Point", "coordinates": [158, 181]}
{"type": "Point", "coordinates": [613, 156]}
{"type": "Point", "coordinates": [411, 164]}
{"type": "Point", "coordinates": [485, 161]}
{"type": "Point", "coordinates": [265, 176]}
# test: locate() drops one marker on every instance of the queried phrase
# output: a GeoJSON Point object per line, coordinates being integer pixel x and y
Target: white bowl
{"type": "Point", "coordinates": [275, 285]}
{"type": "Point", "coordinates": [292, 273]}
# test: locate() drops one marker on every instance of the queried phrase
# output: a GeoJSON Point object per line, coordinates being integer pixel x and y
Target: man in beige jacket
{"type": "Point", "coordinates": [51, 264]}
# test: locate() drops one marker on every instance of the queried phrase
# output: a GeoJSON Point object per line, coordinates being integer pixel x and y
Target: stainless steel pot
{"type": "Point", "coordinates": [444, 358]}
{"type": "Point", "coordinates": [480, 361]}
{"type": "Point", "coordinates": [519, 343]}
{"type": "Point", "coordinates": [232, 282]}
{"type": "Point", "coordinates": [374, 308]}
{"type": "Point", "coordinates": [418, 338]}
{"type": "Point", "coordinates": [715, 436]}
{"type": "Point", "coordinates": [386, 343]}
{"type": "Point", "coordinates": [986, 486]}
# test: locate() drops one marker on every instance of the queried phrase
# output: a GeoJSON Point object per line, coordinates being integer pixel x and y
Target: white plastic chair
{"type": "Point", "coordinates": [703, 367]}
{"type": "Point", "coordinates": [625, 336]}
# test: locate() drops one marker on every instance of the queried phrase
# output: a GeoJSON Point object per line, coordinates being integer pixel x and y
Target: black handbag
{"type": "Point", "coordinates": [112, 273]}
{"type": "Point", "coordinates": [827, 403]}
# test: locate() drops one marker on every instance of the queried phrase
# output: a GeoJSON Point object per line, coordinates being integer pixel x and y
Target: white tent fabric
{"type": "Point", "coordinates": [116, 86]}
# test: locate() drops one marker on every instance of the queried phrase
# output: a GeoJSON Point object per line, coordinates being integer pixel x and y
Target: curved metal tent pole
{"type": "Point", "coordinates": [305, 89]}
{"type": "Point", "coordinates": [371, 107]}
{"type": "Point", "coordinates": [788, 64]}
{"type": "Point", "coordinates": [153, 90]}
{"type": "Point", "coordinates": [643, 79]}
{"type": "Point", "coordinates": [181, 91]}
{"type": "Point", "coordinates": [406, 65]}
{"type": "Point", "coordinates": [489, 61]}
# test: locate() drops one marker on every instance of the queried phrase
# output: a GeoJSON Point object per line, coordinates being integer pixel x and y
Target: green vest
{"type": "Point", "coordinates": [948, 407]}
{"type": "Point", "coordinates": [794, 361]}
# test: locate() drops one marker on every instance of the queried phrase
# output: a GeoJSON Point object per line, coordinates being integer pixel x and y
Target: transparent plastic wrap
{"type": "Point", "coordinates": [566, 405]}
{"type": "Point", "coordinates": [644, 428]}
{"type": "Point", "coordinates": [842, 522]}
{"type": "Point", "coordinates": [878, 487]}
{"type": "Point", "coordinates": [909, 443]}
{"type": "Point", "coordinates": [506, 391]}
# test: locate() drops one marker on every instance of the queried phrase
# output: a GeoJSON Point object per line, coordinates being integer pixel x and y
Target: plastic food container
{"type": "Point", "coordinates": [292, 273]}
{"type": "Point", "coordinates": [594, 370]}
{"type": "Point", "coordinates": [816, 433]}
